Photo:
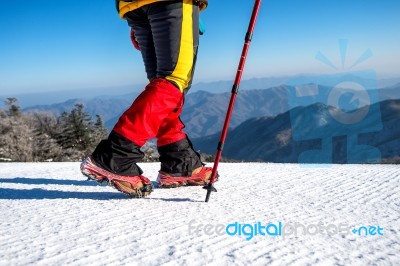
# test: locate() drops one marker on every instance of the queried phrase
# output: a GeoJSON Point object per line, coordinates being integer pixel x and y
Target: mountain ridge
{"type": "Point", "coordinates": [204, 112]}
{"type": "Point", "coordinates": [272, 139]}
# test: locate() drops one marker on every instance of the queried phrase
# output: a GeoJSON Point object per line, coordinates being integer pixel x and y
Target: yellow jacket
{"type": "Point", "coordinates": [124, 6]}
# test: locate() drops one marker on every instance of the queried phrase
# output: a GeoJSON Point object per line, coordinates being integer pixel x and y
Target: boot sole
{"type": "Point", "coordinates": [188, 183]}
{"type": "Point", "coordinates": [137, 193]}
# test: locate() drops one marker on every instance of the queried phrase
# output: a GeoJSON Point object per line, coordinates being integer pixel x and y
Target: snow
{"type": "Point", "coordinates": [50, 215]}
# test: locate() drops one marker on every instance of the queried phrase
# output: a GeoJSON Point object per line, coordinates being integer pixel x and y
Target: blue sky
{"type": "Point", "coordinates": [50, 45]}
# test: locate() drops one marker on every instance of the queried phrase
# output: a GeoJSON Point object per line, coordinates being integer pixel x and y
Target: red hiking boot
{"type": "Point", "coordinates": [200, 177]}
{"type": "Point", "coordinates": [134, 186]}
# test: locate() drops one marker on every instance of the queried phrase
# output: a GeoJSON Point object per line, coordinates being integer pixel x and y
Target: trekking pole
{"type": "Point", "coordinates": [235, 89]}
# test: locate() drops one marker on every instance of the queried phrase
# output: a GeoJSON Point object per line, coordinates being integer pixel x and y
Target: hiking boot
{"type": "Point", "coordinates": [200, 177]}
{"type": "Point", "coordinates": [134, 186]}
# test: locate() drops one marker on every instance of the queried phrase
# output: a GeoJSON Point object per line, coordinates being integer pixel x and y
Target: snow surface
{"type": "Point", "coordinates": [50, 215]}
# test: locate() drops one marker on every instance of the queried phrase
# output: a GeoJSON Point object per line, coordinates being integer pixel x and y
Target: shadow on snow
{"type": "Point", "coordinates": [39, 193]}
{"type": "Point", "coordinates": [46, 181]}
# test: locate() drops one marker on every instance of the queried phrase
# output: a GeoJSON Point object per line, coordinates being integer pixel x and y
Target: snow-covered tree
{"type": "Point", "coordinates": [40, 136]}
{"type": "Point", "coordinates": [45, 147]}
{"type": "Point", "coordinates": [15, 134]}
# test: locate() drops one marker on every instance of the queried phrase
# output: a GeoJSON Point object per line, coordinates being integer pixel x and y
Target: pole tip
{"type": "Point", "coordinates": [210, 188]}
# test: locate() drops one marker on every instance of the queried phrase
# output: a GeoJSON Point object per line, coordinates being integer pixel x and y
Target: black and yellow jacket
{"type": "Point", "coordinates": [124, 6]}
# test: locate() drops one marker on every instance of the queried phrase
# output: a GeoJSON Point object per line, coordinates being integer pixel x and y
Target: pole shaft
{"type": "Point", "coordinates": [235, 90]}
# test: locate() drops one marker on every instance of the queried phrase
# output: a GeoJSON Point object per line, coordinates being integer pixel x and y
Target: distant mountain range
{"type": "Point", "coordinates": [37, 98]}
{"type": "Point", "coordinates": [53, 97]}
{"type": "Point", "coordinates": [106, 107]}
{"type": "Point", "coordinates": [263, 128]}
{"type": "Point", "coordinates": [204, 112]}
{"type": "Point", "coordinates": [312, 135]}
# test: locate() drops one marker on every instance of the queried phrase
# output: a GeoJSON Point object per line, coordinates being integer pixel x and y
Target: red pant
{"type": "Point", "coordinates": [154, 114]}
